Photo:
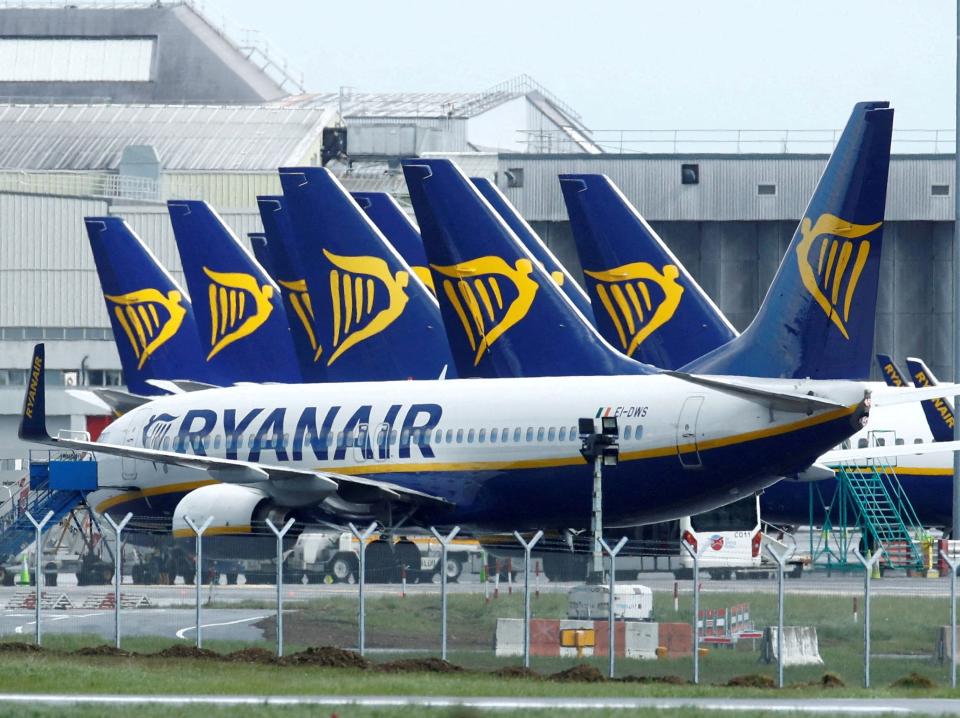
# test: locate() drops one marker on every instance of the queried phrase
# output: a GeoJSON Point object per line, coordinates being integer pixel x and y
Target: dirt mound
{"type": "Point", "coordinates": [516, 672]}
{"type": "Point", "coordinates": [419, 665]}
{"type": "Point", "coordinates": [668, 680]}
{"type": "Point", "coordinates": [103, 650]}
{"type": "Point", "coordinates": [181, 651]}
{"type": "Point", "coordinates": [913, 680]}
{"type": "Point", "coordinates": [251, 655]}
{"type": "Point", "coordinates": [752, 680]}
{"type": "Point", "coordinates": [329, 657]}
{"type": "Point", "coordinates": [17, 647]}
{"type": "Point", "coordinates": [581, 673]}
{"type": "Point", "coordinates": [830, 680]}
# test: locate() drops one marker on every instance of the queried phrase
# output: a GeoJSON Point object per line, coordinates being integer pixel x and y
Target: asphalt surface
{"type": "Point", "coordinates": [852, 706]}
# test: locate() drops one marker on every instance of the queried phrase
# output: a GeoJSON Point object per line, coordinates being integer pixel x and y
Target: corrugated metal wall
{"type": "Point", "coordinates": [728, 185]}
{"type": "Point", "coordinates": [224, 190]}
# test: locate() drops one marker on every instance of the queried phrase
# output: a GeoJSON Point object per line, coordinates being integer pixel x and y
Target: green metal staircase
{"type": "Point", "coordinates": [878, 504]}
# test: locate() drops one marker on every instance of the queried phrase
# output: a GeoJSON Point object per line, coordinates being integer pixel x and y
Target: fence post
{"type": "Point", "coordinates": [38, 574]}
{"type": "Point", "coordinates": [868, 565]}
{"type": "Point", "coordinates": [527, 548]}
{"type": "Point", "coordinates": [695, 555]}
{"type": "Point", "coordinates": [444, 545]}
{"type": "Point", "coordinates": [953, 564]}
{"type": "Point", "coordinates": [781, 559]}
{"type": "Point", "coordinates": [280, 533]}
{"type": "Point", "coordinates": [117, 577]}
{"type": "Point", "coordinates": [612, 640]}
{"type": "Point", "coordinates": [198, 579]}
{"type": "Point", "coordinates": [362, 537]}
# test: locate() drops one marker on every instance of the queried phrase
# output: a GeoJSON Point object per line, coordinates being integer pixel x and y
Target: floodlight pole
{"type": "Point", "coordinates": [117, 577]}
{"type": "Point", "coordinates": [198, 579]}
{"type": "Point", "coordinates": [280, 533]}
{"type": "Point", "coordinates": [955, 533]}
{"type": "Point", "coordinates": [38, 527]}
{"type": "Point", "coordinates": [597, 515]}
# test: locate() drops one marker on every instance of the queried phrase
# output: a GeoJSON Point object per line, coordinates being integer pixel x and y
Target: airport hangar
{"type": "Point", "coordinates": [98, 119]}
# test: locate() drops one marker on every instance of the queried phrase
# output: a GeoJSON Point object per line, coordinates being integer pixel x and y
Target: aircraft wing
{"type": "Point", "coordinates": [833, 458]}
{"type": "Point", "coordinates": [306, 486]}
{"type": "Point", "coordinates": [888, 396]}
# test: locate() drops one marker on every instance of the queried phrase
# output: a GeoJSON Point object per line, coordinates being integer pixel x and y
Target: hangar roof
{"type": "Point", "coordinates": [186, 137]}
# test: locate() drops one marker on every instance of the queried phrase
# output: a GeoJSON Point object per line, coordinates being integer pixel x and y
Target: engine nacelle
{"type": "Point", "coordinates": [237, 520]}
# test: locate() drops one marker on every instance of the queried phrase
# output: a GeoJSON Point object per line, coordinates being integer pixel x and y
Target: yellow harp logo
{"type": "Point", "coordinates": [824, 259]}
{"type": "Point", "coordinates": [639, 299]}
{"type": "Point", "coordinates": [426, 276]}
{"type": "Point", "coordinates": [300, 301]}
{"type": "Point", "coordinates": [238, 307]}
{"type": "Point", "coordinates": [149, 319]}
{"type": "Point", "coordinates": [367, 299]}
{"type": "Point", "coordinates": [478, 292]}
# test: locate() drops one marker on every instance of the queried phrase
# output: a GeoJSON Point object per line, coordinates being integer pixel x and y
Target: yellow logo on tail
{"type": "Point", "coordinates": [238, 307]}
{"type": "Point", "coordinates": [356, 287]}
{"type": "Point", "coordinates": [635, 311]}
{"type": "Point", "coordinates": [426, 277]}
{"type": "Point", "coordinates": [149, 319]}
{"type": "Point", "coordinates": [300, 301]}
{"type": "Point", "coordinates": [828, 243]}
{"type": "Point", "coordinates": [479, 301]}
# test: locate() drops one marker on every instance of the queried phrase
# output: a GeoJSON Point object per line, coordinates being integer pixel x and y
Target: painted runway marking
{"type": "Point", "coordinates": [182, 631]}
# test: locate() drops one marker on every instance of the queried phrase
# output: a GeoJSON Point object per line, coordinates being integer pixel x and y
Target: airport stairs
{"type": "Point", "coordinates": [51, 489]}
{"type": "Point", "coordinates": [883, 511]}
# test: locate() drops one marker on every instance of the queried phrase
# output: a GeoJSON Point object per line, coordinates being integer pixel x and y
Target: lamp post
{"type": "Point", "coordinates": [601, 448]}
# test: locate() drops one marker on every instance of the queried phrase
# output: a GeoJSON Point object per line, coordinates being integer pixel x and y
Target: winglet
{"type": "Point", "coordinates": [33, 420]}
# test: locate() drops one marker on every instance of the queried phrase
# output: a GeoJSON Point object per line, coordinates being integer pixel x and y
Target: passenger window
{"type": "Point", "coordinates": [862, 444]}
{"type": "Point", "coordinates": [166, 445]}
{"type": "Point", "coordinates": [439, 439]}
{"type": "Point", "coordinates": [330, 438]}
{"type": "Point", "coordinates": [880, 442]}
{"type": "Point", "coordinates": [540, 434]}
{"type": "Point", "coordinates": [529, 433]}
{"type": "Point", "coordinates": [405, 436]}
{"type": "Point", "coordinates": [637, 432]}
{"type": "Point", "coordinates": [573, 433]}
{"type": "Point", "coordinates": [627, 431]}
{"type": "Point", "coordinates": [898, 442]}
{"type": "Point", "coordinates": [552, 436]}
{"type": "Point", "coordinates": [493, 435]}
{"type": "Point", "coordinates": [459, 436]}
{"type": "Point", "coordinates": [449, 436]}
{"type": "Point", "coordinates": [516, 435]}
{"type": "Point", "coordinates": [918, 441]}
{"type": "Point", "coordinates": [482, 436]}
{"type": "Point", "coordinates": [415, 436]}
{"type": "Point", "coordinates": [470, 435]}
{"type": "Point", "coordinates": [563, 433]}
{"type": "Point", "coordinates": [216, 441]}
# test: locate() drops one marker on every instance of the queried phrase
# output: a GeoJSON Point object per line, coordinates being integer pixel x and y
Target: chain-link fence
{"type": "Point", "coordinates": [483, 603]}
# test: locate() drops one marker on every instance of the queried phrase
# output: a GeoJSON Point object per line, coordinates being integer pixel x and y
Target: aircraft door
{"type": "Point", "coordinates": [361, 443]}
{"type": "Point", "coordinates": [381, 446]}
{"type": "Point", "coordinates": [128, 466]}
{"type": "Point", "coordinates": [687, 450]}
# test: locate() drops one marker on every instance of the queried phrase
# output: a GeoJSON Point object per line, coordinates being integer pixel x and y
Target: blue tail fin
{"type": "Point", "coordinates": [151, 315]}
{"type": "Point", "coordinates": [891, 372]}
{"type": "Point", "coordinates": [375, 319]}
{"type": "Point", "coordinates": [939, 413]}
{"type": "Point", "coordinates": [258, 243]}
{"type": "Point", "coordinates": [399, 230]}
{"type": "Point", "coordinates": [504, 315]}
{"type": "Point", "coordinates": [646, 303]}
{"type": "Point", "coordinates": [817, 319]}
{"type": "Point", "coordinates": [535, 246]}
{"type": "Point", "coordinates": [287, 271]}
{"type": "Point", "coordinates": [243, 327]}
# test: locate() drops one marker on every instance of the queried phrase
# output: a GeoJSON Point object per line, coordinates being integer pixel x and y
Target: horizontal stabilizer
{"type": "Point", "coordinates": [780, 400]}
{"type": "Point", "coordinates": [871, 453]}
{"type": "Point", "coordinates": [888, 396]}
